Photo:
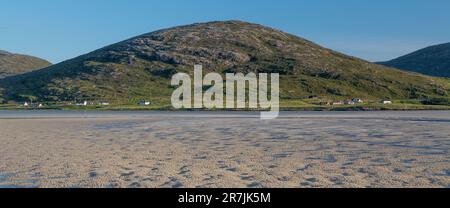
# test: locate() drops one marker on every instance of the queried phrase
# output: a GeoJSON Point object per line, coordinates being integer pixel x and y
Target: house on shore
{"type": "Point", "coordinates": [104, 103]}
{"type": "Point", "coordinates": [349, 102]}
{"type": "Point", "coordinates": [357, 100]}
{"type": "Point", "coordinates": [85, 103]}
{"type": "Point", "coordinates": [37, 105]}
{"type": "Point", "coordinates": [144, 103]}
{"type": "Point", "coordinates": [338, 103]}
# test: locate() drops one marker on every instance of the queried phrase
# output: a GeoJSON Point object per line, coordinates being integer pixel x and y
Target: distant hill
{"type": "Point", "coordinates": [141, 67]}
{"type": "Point", "coordinates": [13, 64]}
{"type": "Point", "coordinates": [433, 61]}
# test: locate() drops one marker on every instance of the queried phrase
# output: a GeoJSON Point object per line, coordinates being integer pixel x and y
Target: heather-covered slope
{"type": "Point", "coordinates": [433, 61]}
{"type": "Point", "coordinates": [141, 67]}
{"type": "Point", "coordinates": [13, 64]}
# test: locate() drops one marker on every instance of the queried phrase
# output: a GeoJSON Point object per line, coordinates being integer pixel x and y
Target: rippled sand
{"type": "Point", "coordinates": [349, 149]}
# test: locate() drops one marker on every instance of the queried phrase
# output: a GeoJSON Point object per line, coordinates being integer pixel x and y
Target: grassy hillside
{"type": "Point", "coordinates": [434, 61]}
{"type": "Point", "coordinates": [13, 64]}
{"type": "Point", "coordinates": [141, 68]}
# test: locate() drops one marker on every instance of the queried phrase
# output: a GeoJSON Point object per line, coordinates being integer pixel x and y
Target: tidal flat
{"type": "Point", "coordinates": [72, 149]}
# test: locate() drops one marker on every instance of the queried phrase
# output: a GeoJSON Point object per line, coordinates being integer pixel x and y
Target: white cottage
{"type": "Point", "coordinates": [144, 103]}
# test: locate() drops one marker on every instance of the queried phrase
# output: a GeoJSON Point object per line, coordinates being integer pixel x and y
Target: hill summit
{"type": "Point", "coordinates": [13, 64]}
{"type": "Point", "coordinates": [433, 61]}
{"type": "Point", "coordinates": [141, 67]}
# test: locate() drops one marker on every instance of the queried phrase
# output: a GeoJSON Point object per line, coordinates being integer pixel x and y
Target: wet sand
{"type": "Point", "coordinates": [300, 149]}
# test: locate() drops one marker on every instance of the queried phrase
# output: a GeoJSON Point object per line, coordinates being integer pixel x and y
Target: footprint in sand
{"type": "Point", "coordinates": [209, 178]}
{"type": "Point", "coordinates": [201, 157]}
{"type": "Point", "coordinates": [135, 185]}
{"type": "Point", "coordinates": [172, 183]}
{"type": "Point", "coordinates": [330, 159]}
{"type": "Point", "coordinates": [93, 174]}
{"type": "Point", "coordinates": [184, 171]}
{"type": "Point", "coordinates": [127, 174]}
{"type": "Point", "coordinates": [305, 168]}
{"type": "Point", "coordinates": [282, 155]}
{"type": "Point", "coordinates": [232, 169]}
{"type": "Point", "coordinates": [113, 185]}
{"type": "Point", "coordinates": [305, 184]}
{"type": "Point", "coordinates": [255, 185]}
{"type": "Point", "coordinates": [397, 170]}
{"type": "Point", "coordinates": [312, 180]}
{"type": "Point", "coordinates": [337, 181]}
{"type": "Point", "coordinates": [284, 178]}
{"type": "Point", "coordinates": [247, 177]}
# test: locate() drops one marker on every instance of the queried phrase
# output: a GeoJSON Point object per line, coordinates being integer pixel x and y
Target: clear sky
{"type": "Point", "coordinates": [371, 29]}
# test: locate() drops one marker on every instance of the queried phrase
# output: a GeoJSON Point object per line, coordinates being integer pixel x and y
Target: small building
{"type": "Point", "coordinates": [357, 100]}
{"type": "Point", "coordinates": [85, 103]}
{"type": "Point", "coordinates": [386, 102]}
{"type": "Point", "coordinates": [323, 102]}
{"type": "Point", "coordinates": [144, 103]}
{"type": "Point", "coordinates": [349, 102]}
{"type": "Point", "coordinates": [37, 105]}
{"type": "Point", "coordinates": [338, 103]}
{"type": "Point", "coordinates": [104, 103]}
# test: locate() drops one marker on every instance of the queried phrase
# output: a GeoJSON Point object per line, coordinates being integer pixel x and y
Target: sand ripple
{"type": "Point", "coordinates": [174, 152]}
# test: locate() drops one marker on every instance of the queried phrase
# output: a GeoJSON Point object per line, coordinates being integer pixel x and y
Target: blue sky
{"type": "Point", "coordinates": [371, 29]}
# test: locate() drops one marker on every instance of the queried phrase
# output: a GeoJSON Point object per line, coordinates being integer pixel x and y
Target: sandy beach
{"type": "Point", "coordinates": [174, 150]}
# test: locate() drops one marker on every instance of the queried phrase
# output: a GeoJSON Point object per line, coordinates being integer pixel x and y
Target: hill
{"type": "Point", "coordinates": [141, 68]}
{"type": "Point", "coordinates": [13, 64]}
{"type": "Point", "coordinates": [433, 61]}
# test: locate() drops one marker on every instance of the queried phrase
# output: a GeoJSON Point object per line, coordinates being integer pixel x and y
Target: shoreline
{"type": "Point", "coordinates": [438, 115]}
{"type": "Point", "coordinates": [61, 149]}
{"type": "Point", "coordinates": [394, 107]}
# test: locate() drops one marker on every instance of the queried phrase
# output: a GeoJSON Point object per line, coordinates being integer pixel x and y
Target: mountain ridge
{"type": "Point", "coordinates": [141, 67]}
{"type": "Point", "coordinates": [13, 64]}
{"type": "Point", "coordinates": [433, 60]}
